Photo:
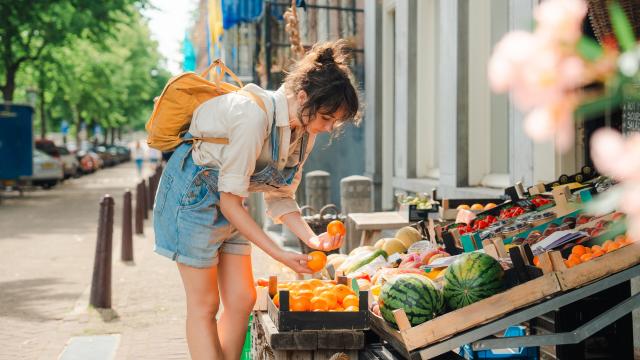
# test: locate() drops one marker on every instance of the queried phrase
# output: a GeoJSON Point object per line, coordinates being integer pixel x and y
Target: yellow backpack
{"type": "Point", "coordinates": [181, 96]}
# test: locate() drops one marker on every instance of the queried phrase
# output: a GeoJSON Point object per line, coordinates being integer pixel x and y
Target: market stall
{"type": "Point", "coordinates": [453, 282]}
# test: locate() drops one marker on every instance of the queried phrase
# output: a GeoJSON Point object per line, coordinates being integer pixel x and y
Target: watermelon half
{"type": "Point", "coordinates": [471, 278]}
{"type": "Point", "coordinates": [416, 294]}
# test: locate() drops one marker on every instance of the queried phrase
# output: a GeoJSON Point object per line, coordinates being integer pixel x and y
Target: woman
{"type": "Point", "coordinates": [199, 217]}
{"type": "Point", "coordinates": [138, 155]}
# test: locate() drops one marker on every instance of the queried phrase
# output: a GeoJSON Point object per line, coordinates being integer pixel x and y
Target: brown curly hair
{"type": "Point", "coordinates": [323, 73]}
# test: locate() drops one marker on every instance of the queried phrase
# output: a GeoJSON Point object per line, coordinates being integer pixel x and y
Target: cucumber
{"type": "Point", "coordinates": [366, 260]}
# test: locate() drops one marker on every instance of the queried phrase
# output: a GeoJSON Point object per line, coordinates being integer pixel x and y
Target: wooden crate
{"type": "Point", "coordinates": [588, 272]}
{"type": "Point", "coordinates": [286, 320]}
{"type": "Point", "coordinates": [448, 209]}
{"type": "Point", "coordinates": [408, 338]}
{"type": "Point", "coordinates": [267, 343]}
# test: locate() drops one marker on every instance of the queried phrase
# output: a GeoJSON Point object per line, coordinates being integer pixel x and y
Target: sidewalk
{"type": "Point", "coordinates": [148, 304]}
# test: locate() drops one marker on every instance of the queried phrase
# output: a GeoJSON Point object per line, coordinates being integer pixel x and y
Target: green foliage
{"type": "Point", "coordinates": [589, 49]}
{"type": "Point", "coordinates": [108, 74]}
{"type": "Point", "coordinates": [622, 27]}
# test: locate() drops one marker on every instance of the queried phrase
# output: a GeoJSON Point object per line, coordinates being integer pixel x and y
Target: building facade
{"type": "Point", "coordinates": [432, 120]}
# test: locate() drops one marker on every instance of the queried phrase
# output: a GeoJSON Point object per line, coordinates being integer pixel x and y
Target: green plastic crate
{"type": "Point", "coordinates": [246, 349]}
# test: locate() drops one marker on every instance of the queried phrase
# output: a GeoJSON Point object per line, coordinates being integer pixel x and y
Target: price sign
{"type": "Point", "coordinates": [631, 110]}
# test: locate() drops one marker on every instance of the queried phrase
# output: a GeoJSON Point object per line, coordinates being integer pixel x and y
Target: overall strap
{"type": "Point", "coordinates": [303, 146]}
{"type": "Point", "coordinates": [275, 141]}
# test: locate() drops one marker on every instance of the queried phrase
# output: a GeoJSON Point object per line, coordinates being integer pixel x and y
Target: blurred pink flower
{"type": "Point", "coordinates": [619, 157]}
{"type": "Point", "coordinates": [544, 71]}
{"type": "Point", "coordinates": [553, 120]}
{"type": "Point", "coordinates": [616, 156]}
{"type": "Point", "coordinates": [509, 54]}
{"type": "Point", "coordinates": [630, 205]}
{"type": "Point", "coordinates": [574, 72]}
{"type": "Point", "coordinates": [561, 20]}
{"type": "Point", "coordinates": [540, 81]}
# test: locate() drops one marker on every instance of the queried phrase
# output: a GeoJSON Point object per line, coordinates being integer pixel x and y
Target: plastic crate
{"type": "Point", "coordinates": [246, 349]}
{"type": "Point", "coordinates": [525, 353]}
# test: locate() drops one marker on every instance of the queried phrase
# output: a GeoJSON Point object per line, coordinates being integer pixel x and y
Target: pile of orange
{"type": "Point", "coordinates": [318, 295]}
{"type": "Point", "coordinates": [581, 253]}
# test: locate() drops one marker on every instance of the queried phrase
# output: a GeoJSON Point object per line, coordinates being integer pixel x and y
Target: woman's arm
{"type": "Point", "coordinates": [234, 211]}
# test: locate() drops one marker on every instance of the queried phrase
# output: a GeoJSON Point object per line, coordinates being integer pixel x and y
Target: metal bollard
{"type": "Point", "coordinates": [101, 280]}
{"type": "Point", "coordinates": [355, 197]}
{"type": "Point", "coordinates": [139, 210]}
{"type": "Point", "coordinates": [150, 192]}
{"type": "Point", "coordinates": [317, 189]}
{"type": "Point", "coordinates": [144, 198]}
{"type": "Point", "coordinates": [126, 253]}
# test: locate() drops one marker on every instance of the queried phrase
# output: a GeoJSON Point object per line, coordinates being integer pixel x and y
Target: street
{"type": "Point", "coordinates": [48, 242]}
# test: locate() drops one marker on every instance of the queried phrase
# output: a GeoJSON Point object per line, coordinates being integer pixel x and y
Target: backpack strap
{"type": "Point", "coordinates": [225, 141]}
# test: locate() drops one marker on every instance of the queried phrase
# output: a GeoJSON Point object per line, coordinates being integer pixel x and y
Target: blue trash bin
{"type": "Point", "coordinates": [16, 141]}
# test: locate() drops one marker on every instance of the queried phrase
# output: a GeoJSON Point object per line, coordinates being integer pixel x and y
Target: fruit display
{"type": "Point", "coordinates": [540, 201]}
{"type": "Point", "coordinates": [418, 296]}
{"type": "Point", "coordinates": [422, 202]}
{"type": "Point", "coordinates": [318, 295]}
{"type": "Point", "coordinates": [580, 253]}
{"type": "Point", "coordinates": [471, 278]}
{"type": "Point", "coordinates": [511, 212]}
{"type": "Point", "coordinates": [476, 207]}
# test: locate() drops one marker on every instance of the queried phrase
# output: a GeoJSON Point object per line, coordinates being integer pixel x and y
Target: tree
{"type": "Point", "coordinates": [110, 83]}
{"type": "Point", "coordinates": [29, 27]}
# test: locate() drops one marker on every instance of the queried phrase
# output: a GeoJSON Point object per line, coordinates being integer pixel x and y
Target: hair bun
{"type": "Point", "coordinates": [325, 56]}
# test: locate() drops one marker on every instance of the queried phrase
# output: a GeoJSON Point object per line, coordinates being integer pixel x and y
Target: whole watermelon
{"type": "Point", "coordinates": [416, 294]}
{"type": "Point", "coordinates": [471, 278]}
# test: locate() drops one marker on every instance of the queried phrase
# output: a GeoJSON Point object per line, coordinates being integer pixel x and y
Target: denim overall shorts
{"type": "Point", "coordinates": [189, 226]}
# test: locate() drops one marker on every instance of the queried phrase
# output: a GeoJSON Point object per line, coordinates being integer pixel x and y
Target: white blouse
{"type": "Point", "coordinates": [248, 129]}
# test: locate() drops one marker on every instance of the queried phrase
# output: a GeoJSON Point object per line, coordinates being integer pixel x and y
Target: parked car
{"type": "Point", "coordinates": [70, 162]}
{"type": "Point", "coordinates": [123, 153]}
{"type": "Point", "coordinates": [107, 157]}
{"type": "Point", "coordinates": [47, 170]}
{"type": "Point", "coordinates": [48, 147]}
{"type": "Point", "coordinates": [89, 161]}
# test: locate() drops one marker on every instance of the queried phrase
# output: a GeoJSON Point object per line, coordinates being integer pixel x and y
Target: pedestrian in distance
{"type": "Point", "coordinates": [199, 218]}
{"type": "Point", "coordinates": [138, 155]}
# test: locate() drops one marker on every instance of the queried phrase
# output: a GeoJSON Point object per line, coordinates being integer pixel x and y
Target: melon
{"type": "Point", "coordinates": [360, 249]}
{"type": "Point", "coordinates": [471, 278]}
{"type": "Point", "coordinates": [420, 299]}
{"type": "Point", "coordinates": [408, 235]}
{"type": "Point", "coordinates": [393, 246]}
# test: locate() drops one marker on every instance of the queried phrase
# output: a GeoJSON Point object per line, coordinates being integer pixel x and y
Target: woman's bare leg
{"type": "Point", "coordinates": [201, 287]}
{"type": "Point", "coordinates": [238, 294]}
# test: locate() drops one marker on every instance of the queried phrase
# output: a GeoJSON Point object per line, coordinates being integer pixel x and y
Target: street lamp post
{"type": "Point", "coordinates": [32, 95]}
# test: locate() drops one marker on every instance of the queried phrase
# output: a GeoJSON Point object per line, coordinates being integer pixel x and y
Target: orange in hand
{"type": "Point", "coordinates": [318, 261]}
{"type": "Point", "coordinates": [336, 227]}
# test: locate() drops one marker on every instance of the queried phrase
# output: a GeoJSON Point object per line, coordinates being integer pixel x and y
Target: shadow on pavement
{"type": "Point", "coordinates": [29, 299]}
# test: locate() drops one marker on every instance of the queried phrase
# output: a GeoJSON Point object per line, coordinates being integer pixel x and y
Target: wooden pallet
{"type": "Point", "coordinates": [408, 338]}
{"type": "Point", "coordinates": [267, 343]}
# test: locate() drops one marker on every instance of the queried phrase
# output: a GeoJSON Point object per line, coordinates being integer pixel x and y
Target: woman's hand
{"type": "Point", "coordinates": [325, 242]}
{"type": "Point", "coordinates": [296, 262]}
